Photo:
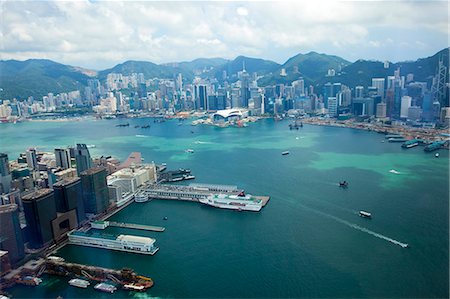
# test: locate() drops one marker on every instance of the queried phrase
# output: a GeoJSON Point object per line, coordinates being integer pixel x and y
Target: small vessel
{"type": "Point", "coordinates": [343, 184]}
{"type": "Point", "coordinates": [365, 214]}
{"type": "Point", "coordinates": [437, 155]}
{"type": "Point", "coordinates": [90, 146]}
{"type": "Point", "coordinates": [134, 287]}
{"type": "Point", "coordinates": [104, 287]}
{"type": "Point", "coordinates": [80, 283]}
{"type": "Point", "coordinates": [394, 171]}
{"type": "Point", "coordinates": [137, 126]}
{"type": "Point", "coordinates": [188, 177]}
{"type": "Point", "coordinates": [285, 153]}
{"type": "Point", "coordinates": [28, 280]}
{"type": "Point", "coordinates": [165, 218]}
{"type": "Point", "coordinates": [189, 150]}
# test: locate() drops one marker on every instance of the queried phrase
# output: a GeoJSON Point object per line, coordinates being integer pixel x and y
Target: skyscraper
{"type": "Point", "coordinates": [62, 156]}
{"type": "Point", "coordinates": [82, 158]}
{"type": "Point", "coordinates": [406, 103]}
{"type": "Point", "coordinates": [379, 84]}
{"type": "Point", "coordinates": [31, 158]}
{"type": "Point", "coordinates": [5, 175]}
{"type": "Point", "coordinates": [11, 238]}
{"type": "Point", "coordinates": [95, 190]}
{"type": "Point", "coordinates": [69, 196]}
{"type": "Point", "coordinates": [40, 210]}
{"type": "Point", "coordinates": [4, 164]}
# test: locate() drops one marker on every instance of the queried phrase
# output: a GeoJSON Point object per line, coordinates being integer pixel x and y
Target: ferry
{"type": "Point", "coordinates": [240, 202]}
{"type": "Point", "coordinates": [104, 287]}
{"type": "Point", "coordinates": [365, 214]}
{"type": "Point", "coordinates": [80, 283]}
{"type": "Point", "coordinates": [285, 153]}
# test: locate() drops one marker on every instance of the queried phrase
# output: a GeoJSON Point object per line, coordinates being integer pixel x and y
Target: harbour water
{"type": "Point", "coordinates": [307, 242]}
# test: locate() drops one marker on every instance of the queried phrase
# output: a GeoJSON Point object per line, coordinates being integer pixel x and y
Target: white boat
{"type": "Point", "coordinates": [80, 283]}
{"type": "Point", "coordinates": [437, 155]}
{"type": "Point", "coordinates": [189, 150]}
{"type": "Point", "coordinates": [285, 153]}
{"type": "Point", "coordinates": [141, 197]}
{"type": "Point", "coordinates": [365, 214]}
{"type": "Point", "coordinates": [133, 287]}
{"type": "Point", "coordinates": [240, 202]}
{"type": "Point", "coordinates": [104, 287]}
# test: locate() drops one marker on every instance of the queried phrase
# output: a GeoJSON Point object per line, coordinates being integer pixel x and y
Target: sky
{"type": "Point", "coordinates": [100, 34]}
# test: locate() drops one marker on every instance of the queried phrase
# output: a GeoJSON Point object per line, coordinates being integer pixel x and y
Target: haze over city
{"type": "Point", "coordinates": [100, 34]}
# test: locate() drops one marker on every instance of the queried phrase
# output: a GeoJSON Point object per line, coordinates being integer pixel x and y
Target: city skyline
{"type": "Point", "coordinates": [182, 31]}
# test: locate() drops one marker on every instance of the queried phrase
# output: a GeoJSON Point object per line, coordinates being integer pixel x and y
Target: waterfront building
{"type": "Point", "coordinates": [332, 106]}
{"type": "Point", "coordinates": [363, 107]}
{"type": "Point", "coordinates": [406, 103]}
{"type": "Point", "coordinates": [40, 210]}
{"type": "Point", "coordinates": [95, 190]}
{"type": "Point", "coordinates": [414, 113]}
{"type": "Point", "coordinates": [82, 158]}
{"type": "Point", "coordinates": [11, 238]}
{"type": "Point", "coordinates": [381, 110]}
{"type": "Point", "coordinates": [129, 243]}
{"type": "Point", "coordinates": [62, 156]}
{"type": "Point", "coordinates": [69, 196]}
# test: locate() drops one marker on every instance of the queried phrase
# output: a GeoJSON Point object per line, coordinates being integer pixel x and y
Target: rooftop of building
{"type": "Point", "coordinates": [66, 182]}
{"type": "Point", "coordinates": [8, 208]}
{"type": "Point", "coordinates": [37, 194]}
{"type": "Point", "coordinates": [93, 170]}
{"type": "Point", "coordinates": [3, 253]}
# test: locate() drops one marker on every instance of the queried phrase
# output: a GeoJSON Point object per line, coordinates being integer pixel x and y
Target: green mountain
{"type": "Point", "coordinates": [38, 77]}
{"type": "Point", "coordinates": [311, 66]}
{"type": "Point", "coordinates": [252, 65]}
{"type": "Point", "coordinates": [149, 69]}
{"type": "Point", "coordinates": [361, 72]}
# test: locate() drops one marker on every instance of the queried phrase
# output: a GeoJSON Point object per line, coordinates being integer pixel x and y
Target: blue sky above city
{"type": "Point", "coordinates": [100, 34]}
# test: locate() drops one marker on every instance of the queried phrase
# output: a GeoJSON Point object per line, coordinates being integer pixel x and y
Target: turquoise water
{"type": "Point", "coordinates": [307, 242]}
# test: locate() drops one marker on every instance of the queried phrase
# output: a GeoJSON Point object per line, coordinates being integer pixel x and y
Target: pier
{"type": "Point", "coordinates": [137, 226]}
{"type": "Point", "coordinates": [105, 224]}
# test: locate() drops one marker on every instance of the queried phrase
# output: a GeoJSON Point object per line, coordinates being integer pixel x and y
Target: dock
{"type": "Point", "coordinates": [105, 224]}
{"type": "Point", "coordinates": [137, 226]}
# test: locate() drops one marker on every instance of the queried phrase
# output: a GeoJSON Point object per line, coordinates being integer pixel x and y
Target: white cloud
{"type": "Point", "coordinates": [100, 34]}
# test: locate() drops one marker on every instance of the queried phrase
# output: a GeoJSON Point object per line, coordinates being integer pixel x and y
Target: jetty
{"type": "Point", "coordinates": [105, 224]}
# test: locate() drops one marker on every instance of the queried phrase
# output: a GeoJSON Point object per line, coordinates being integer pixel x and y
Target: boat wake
{"type": "Point", "coordinates": [394, 171]}
{"type": "Point", "coordinates": [142, 136]}
{"type": "Point", "coordinates": [202, 142]}
{"type": "Point", "coordinates": [357, 227]}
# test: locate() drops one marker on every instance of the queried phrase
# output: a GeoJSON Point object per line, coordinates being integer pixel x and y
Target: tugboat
{"type": "Point", "coordinates": [343, 184]}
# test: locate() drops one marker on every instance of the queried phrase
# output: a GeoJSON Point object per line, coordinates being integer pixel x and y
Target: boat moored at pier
{"type": "Point", "coordinates": [240, 202]}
